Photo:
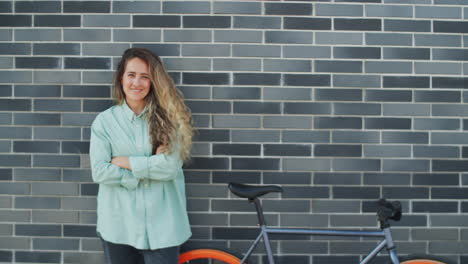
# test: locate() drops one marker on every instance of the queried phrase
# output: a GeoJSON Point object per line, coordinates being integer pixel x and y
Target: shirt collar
{"type": "Point", "coordinates": [128, 112]}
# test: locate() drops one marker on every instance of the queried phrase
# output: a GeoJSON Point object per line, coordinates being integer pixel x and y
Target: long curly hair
{"type": "Point", "coordinates": [170, 120]}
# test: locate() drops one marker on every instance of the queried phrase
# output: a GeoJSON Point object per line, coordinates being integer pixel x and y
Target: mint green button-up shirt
{"type": "Point", "coordinates": [144, 207]}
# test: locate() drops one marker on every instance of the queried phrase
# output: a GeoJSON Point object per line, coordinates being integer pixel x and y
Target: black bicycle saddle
{"type": "Point", "coordinates": [252, 191]}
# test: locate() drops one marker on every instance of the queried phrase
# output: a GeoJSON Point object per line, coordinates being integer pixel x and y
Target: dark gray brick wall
{"type": "Point", "coordinates": [341, 102]}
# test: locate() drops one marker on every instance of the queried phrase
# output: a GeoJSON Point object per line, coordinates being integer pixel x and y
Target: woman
{"type": "Point", "coordinates": [137, 150]}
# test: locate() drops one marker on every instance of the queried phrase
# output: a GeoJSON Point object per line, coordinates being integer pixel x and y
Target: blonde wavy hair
{"type": "Point", "coordinates": [170, 120]}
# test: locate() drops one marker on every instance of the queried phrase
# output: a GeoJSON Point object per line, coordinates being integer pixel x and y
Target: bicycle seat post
{"type": "Point", "coordinates": [258, 208]}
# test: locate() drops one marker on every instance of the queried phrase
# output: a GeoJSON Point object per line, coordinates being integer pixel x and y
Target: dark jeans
{"type": "Point", "coordinates": [125, 254]}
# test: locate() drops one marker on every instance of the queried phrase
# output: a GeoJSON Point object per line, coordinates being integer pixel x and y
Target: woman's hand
{"type": "Point", "coordinates": [122, 162]}
{"type": "Point", "coordinates": [161, 149]}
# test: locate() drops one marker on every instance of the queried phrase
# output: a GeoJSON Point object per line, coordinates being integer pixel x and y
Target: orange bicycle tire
{"type": "Point", "coordinates": [421, 261]}
{"type": "Point", "coordinates": [208, 254]}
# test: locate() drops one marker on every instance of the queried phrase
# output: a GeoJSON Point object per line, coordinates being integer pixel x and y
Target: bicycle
{"type": "Point", "coordinates": [386, 211]}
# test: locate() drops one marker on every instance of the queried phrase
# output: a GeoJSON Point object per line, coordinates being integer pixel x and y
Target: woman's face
{"type": "Point", "coordinates": [136, 81]}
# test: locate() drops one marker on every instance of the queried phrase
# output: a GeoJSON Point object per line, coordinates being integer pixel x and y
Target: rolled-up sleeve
{"type": "Point", "coordinates": [163, 167]}
{"type": "Point", "coordinates": [103, 171]}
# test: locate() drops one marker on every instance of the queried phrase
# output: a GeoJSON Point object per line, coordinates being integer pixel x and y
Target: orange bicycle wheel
{"type": "Point", "coordinates": [422, 261]}
{"type": "Point", "coordinates": [208, 254]}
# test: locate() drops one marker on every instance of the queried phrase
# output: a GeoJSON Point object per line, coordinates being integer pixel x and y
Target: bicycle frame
{"type": "Point", "coordinates": [387, 241]}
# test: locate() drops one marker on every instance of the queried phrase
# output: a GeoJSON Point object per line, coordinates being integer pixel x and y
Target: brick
{"type": "Point", "coordinates": [407, 53]}
{"type": "Point", "coordinates": [15, 105]}
{"type": "Point", "coordinates": [104, 49]}
{"type": "Point", "coordinates": [79, 231]}
{"type": "Point", "coordinates": [236, 149]}
{"type": "Point", "coordinates": [86, 91]}
{"type": "Point", "coordinates": [6, 256]}
{"type": "Point", "coordinates": [202, 50]}
{"type": "Point", "coordinates": [237, 8]}
{"type": "Point", "coordinates": [196, 92]}
{"type": "Point", "coordinates": [233, 36]}
{"type": "Point", "coordinates": [307, 108]}
{"type": "Point", "coordinates": [254, 21]}
{"type": "Point", "coordinates": [206, 22]}
{"type": "Point", "coordinates": [436, 179]}
{"type": "Point", "coordinates": [338, 10]}
{"type": "Point", "coordinates": [438, 12]}
{"type": "Point", "coordinates": [351, 220]}
{"type": "Point", "coordinates": [337, 122]}
{"type": "Point", "coordinates": [17, 243]}
{"type": "Point", "coordinates": [36, 119]}
{"type": "Point", "coordinates": [288, 9]}
{"type": "Point", "coordinates": [338, 94]}
{"type": "Point", "coordinates": [387, 179]}
{"type": "Point", "coordinates": [305, 136]}
{"type": "Point", "coordinates": [15, 132]}
{"type": "Point", "coordinates": [406, 109]}
{"type": "Point", "coordinates": [227, 176]}
{"type": "Point", "coordinates": [306, 80]}
{"type": "Point", "coordinates": [14, 188]}
{"type": "Point", "coordinates": [356, 52]}
{"type": "Point", "coordinates": [437, 68]}
{"type": "Point", "coordinates": [38, 34]}
{"type": "Point", "coordinates": [287, 94]}
{"type": "Point", "coordinates": [87, 35]}
{"type": "Point", "coordinates": [209, 106]}
{"type": "Point", "coordinates": [306, 164]}
{"type": "Point", "coordinates": [56, 244]}
{"type": "Point", "coordinates": [302, 247]}
{"type": "Point", "coordinates": [97, 105]}
{"type": "Point", "coordinates": [15, 49]}
{"type": "Point", "coordinates": [6, 7]}
{"type": "Point", "coordinates": [255, 136]}
{"type": "Point", "coordinates": [5, 146]}
{"type": "Point", "coordinates": [298, 122]}
{"type": "Point", "coordinates": [407, 25]}
{"type": "Point", "coordinates": [291, 206]}
{"type": "Point", "coordinates": [5, 90]}
{"type": "Point", "coordinates": [449, 110]}
{"type": "Point", "coordinates": [38, 230]}
{"type": "Point", "coordinates": [289, 37]}
{"type": "Point", "coordinates": [187, 35]}
{"type": "Point", "coordinates": [161, 49]}
{"type": "Point", "coordinates": [305, 192]}
{"type": "Point", "coordinates": [449, 82]}
{"type": "Point", "coordinates": [79, 203]}
{"type": "Point", "coordinates": [56, 49]}
{"type": "Point", "coordinates": [204, 135]}
{"type": "Point", "coordinates": [28, 256]}
{"type": "Point", "coordinates": [448, 138]}
{"type": "Point", "coordinates": [386, 39]}
{"type": "Point", "coordinates": [56, 161]}
{"type": "Point", "coordinates": [37, 90]}
{"type": "Point", "coordinates": [35, 7]}
{"type": "Point", "coordinates": [36, 146]}
{"type": "Point", "coordinates": [86, 7]}
{"type": "Point", "coordinates": [256, 79]}
{"type": "Point", "coordinates": [330, 206]}
{"type": "Point", "coordinates": [357, 24]}
{"type": "Point", "coordinates": [195, 7]}
{"type": "Point", "coordinates": [386, 151]}
{"type": "Point", "coordinates": [15, 20]}
{"type": "Point", "coordinates": [388, 67]}
{"type": "Point", "coordinates": [448, 220]}
{"type": "Point", "coordinates": [236, 121]}
{"type": "Point", "coordinates": [357, 109]}
{"type": "Point", "coordinates": [25, 174]}
{"type": "Point", "coordinates": [136, 7]}
{"type": "Point", "coordinates": [406, 165]}
{"type": "Point", "coordinates": [255, 51]}
{"type": "Point", "coordinates": [156, 21]}
{"type": "Point", "coordinates": [355, 192]}
{"type": "Point", "coordinates": [436, 152]}
{"type": "Point", "coordinates": [388, 96]}
{"type": "Point", "coordinates": [64, 133]}
{"type": "Point", "coordinates": [450, 27]}
{"type": "Point", "coordinates": [6, 63]}
{"type": "Point", "coordinates": [236, 64]}
{"type": "Point", "coordinates": [137, 35]}
{"type": "Point", "coordinates": [432, 40]}
{"type": "Point", "coordinates": [37, 63]}
{"type": "Point", "coordinates": [5, 118]}
{"type": "Point", "coordinates": [107, 20]}
{"type": "Point", "coordinates": [448, 165]}
{"type": "Point", "coordinates": [405, 137]}
{"type": "Point", "coordinates": [337, 151]}
{"type": "Point", "coordinates": [57, 21]}
{"type": "Point", "coordinates": [355, 137]}
{"type": "Point", "coordinates": [389, 11]}
{"type": "Point", "coordinates": [57, 105]}
{"type": "Point", "coordinates": [61, 189]}
{"type": "Point", "coordinates": [307, 23]}
{"type": "Point", "coordinates": [339, 38]}
{"type": "Point", "coordinates": [338, 66]}
{"type": "Point", "coordinates": [287, 178]}
{"type": "Point", "coordinates": [356, 81]}
{"type": "Point", "coordinates": [206, 78]}
{"type": "Point", "coordinates": [16, 76]}
{"type": "Point", "coordinates": [257, 107]}
{"type": "Point", "coordinates": [286, 150]}
{"type": "Point", "coordinates": [449, 54]}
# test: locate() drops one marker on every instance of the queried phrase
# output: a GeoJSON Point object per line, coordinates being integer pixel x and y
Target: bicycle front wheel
{"type": "Point", "coordinates": [205, 255]}
{"type": "Point", "coordinates": [422, 260]}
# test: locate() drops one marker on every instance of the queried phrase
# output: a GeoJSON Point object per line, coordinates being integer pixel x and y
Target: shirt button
{"type": "Point", "coordinates": [146, 184]}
